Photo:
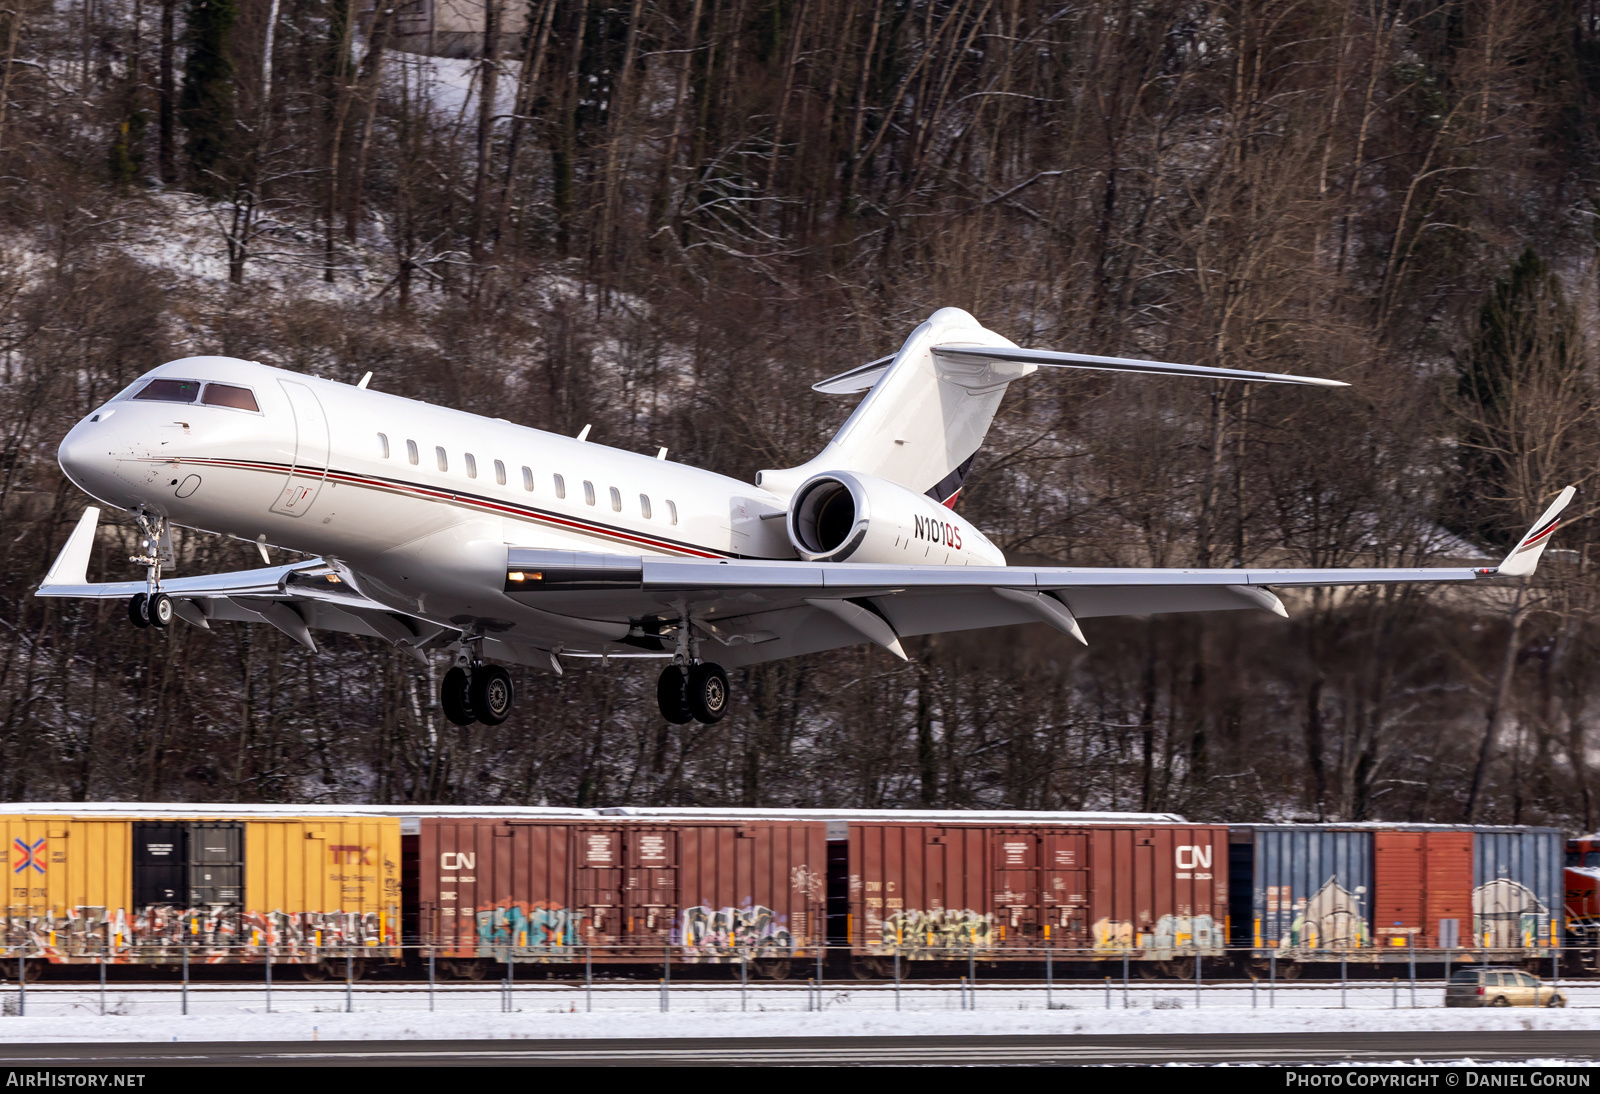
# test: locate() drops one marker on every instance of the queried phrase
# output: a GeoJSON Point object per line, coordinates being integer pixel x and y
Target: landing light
{"type": "Point", "coordinates": [518, 575]}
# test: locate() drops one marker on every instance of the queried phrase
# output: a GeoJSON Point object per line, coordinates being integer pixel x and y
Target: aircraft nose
{"type": "Point", "coordinates": [84, 454]}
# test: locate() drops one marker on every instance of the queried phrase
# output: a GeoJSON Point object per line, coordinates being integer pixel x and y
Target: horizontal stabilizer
{"type": "Point", "coordinates": [1053, 359]}
{"type": "Point", "coordinates": [1524, 557]}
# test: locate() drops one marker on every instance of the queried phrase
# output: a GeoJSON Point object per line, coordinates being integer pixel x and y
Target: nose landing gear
{"type": "Point", "coordinates": [152, 608]}
{"type": "Point", "coordinates": [475, 692]}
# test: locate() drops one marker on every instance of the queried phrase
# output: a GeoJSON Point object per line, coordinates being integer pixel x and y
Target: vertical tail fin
{"type": "Point", "coordinates": [924, 417]}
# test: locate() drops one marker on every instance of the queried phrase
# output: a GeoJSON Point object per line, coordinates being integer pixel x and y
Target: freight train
{"type": "Point", "coordinates": [475, 888]}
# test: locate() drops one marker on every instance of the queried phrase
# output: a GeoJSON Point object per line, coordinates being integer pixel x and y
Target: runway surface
{"type": "Point", "coordinates": [1266, 1048]}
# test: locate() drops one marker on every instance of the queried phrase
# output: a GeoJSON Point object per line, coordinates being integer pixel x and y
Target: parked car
{"type": "Point", "coordinates": [1500, 987]}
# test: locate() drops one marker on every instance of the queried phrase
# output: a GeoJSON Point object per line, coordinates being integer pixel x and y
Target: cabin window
{"type": "Point", "coordinates": [527, 479]}
{"type": "Point", "coordinates": [588, 492]}
{"type": "Point", "coordinates": [411, 452]}
{"type": "Point", "coordinates": [444, 461]}
{"type": "Point", "coordinates": [616, 500]}
{"type": "Point", "coordinates": [499, 472]}
{"type": "Point", "coordinates": [644, 506]}
{"type": "Point", "coordinates": [561, 487]}
{"type": "Point", "coordinates": [170, 391]}
{"type": "Point", "coordinates": [383, 439]}
{"type": "Point", "coordinates": [239, 398]}
{"type": "Point", "coordinates": [472, 466]}
{"type": "Point", "coordinates": [672, 512]}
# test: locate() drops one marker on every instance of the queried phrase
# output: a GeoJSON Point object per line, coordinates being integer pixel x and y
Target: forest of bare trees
{"type": "Point", "coordinates": [670, 217]}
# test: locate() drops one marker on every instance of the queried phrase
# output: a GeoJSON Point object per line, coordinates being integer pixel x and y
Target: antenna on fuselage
{"type": "Point", "coordinates": [583, 434]}
{"type": "Point", "coordinates": [364, 380]}
{"type": "Point", "coordinates": [261, 545]}
{"type": "Point", "coordinates": [661, 454]}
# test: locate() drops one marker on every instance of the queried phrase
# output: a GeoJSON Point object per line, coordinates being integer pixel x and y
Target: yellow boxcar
{"type": "Point", "coordinates": [147, 884]}
{"type": "Point", "coordinates": [67, 885]}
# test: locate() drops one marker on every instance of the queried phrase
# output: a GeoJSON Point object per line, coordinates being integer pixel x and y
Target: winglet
{"type": "Point", "coordinates": [71, 566]}
{"type": "Point", "coordinates": [1524, 557]}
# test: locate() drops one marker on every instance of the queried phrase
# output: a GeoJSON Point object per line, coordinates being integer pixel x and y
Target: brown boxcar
{"type": "Point", "coordinates": [940, 890]}
{"type": "Point", "coordinates": [611, 888]}
{"type": "Point", "coordinates": [1421, 879]}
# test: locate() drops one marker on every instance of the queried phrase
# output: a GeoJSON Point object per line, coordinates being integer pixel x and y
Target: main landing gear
{"type": "Point", "coordinates": [700, 693]}
{"type": "Point", "coordinates": [475, 692]}
{"type": "Point", "coordinates": [690, 688]}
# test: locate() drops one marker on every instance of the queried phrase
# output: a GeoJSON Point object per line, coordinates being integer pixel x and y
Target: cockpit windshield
{"type": "Point", "coordinates": [170, 391]}
{"type": "Point", "coordinates": [240, 398]}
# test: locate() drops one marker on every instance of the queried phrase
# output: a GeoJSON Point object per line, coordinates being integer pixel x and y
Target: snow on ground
{"type": "Point", "coordinates": [398, 1012]}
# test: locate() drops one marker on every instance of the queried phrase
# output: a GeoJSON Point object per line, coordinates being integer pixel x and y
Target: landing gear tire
{"type": "Point", "coordinates": [708, 692]}
{"type": "Point", "coordinates": [455, 697]}
{"type": "Point", "coordinates": [492, 694]}
{"type": "Point", "coordinates": [136, 614]}
{"type": "Point", "coordinates": [670, 695]}
{"type": "Point", "coordinates": [159, 609]}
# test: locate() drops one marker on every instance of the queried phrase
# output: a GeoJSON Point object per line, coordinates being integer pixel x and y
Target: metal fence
{"type": "Point", "coordinates": [625, 979]}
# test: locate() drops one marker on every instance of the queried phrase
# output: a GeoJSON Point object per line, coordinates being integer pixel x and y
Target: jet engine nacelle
{"type": "Point", "coordinates": [845, 516]}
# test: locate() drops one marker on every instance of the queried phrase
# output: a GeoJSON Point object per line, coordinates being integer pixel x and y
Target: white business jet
{"type": "Point", "coordinates": [434, 529]}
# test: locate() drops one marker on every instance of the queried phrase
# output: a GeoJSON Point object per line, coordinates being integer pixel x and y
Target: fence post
{"type": "Point", "coordinates": [1125, 978]}
{"type": "Point", "coordinates": [1411, 956]}
{"type": "Point", "coordinates": [1197, 977]}
{"type": "Point", "coordinates": [1344, 981]}
{"type": "Point", "coordinates": [897, 976]}
{"type": "Point", "coordinates": [744, 979]}
{"type": "Point", "coordinates": [666, 977]}
{"type": "Point", "coordinates": [1253, 983]}
{"type": "Point", "coordinates": [1272, 982]}
{"type": "Point", "coordinates": [186, 973]}
{"type": "Point", "coordinates": [269, 973]}
{"type": "Point", "coordinates": [1394, 993]}
{"type": "Point", "coordinates": [972, 972]}
{"type": "Point", "coordinates": [22, 980]}
{"type": "Point", "coordinates": [1108, 993]}
{"type": "Point", "coordinates": [588, 978]}
{"type": "Point", "coordinates": [349, 979]}
{"type": "Point", "coordinates": [431, 959]}
{"type": "Point", "coordinates": [1049, 977]}
{"type": "Point", "coordinates": [102, 985]}
{"type": "Point", "coordinates": [511, 981]}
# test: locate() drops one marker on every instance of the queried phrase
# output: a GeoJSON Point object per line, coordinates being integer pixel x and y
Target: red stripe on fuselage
{"type": "Point", "coordinates": [470, 501]}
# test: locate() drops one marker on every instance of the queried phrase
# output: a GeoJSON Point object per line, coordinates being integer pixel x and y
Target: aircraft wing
{"type": "Point", "coordinates": [313, 594]}
{"type": "Point", "coordinates": [749, 611]}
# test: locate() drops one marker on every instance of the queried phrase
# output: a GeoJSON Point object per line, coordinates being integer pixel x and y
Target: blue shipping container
{"type": "Point", "coordinates": [1517, 887]}
{"type": "Point", "coordinates": [1313, 887]}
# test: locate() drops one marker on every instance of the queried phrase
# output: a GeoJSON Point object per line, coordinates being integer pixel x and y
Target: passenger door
{"type": "Point", "coordinates": [310, 452]}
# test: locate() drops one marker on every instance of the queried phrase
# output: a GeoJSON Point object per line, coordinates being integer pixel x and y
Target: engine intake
{"type": "Point", "coordinates": [841, 516]}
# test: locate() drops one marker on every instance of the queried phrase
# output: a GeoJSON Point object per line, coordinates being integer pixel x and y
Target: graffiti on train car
{"type": "Point", "coordinates": [210, 933]}
{"type": "Point", "coordinates": [713, 934]}
{"type": "Point", "coordinates": [1333, 918]}
{"type": "Point", "coordinates": [1171, 932]}
{"type": "Point", "coordinates": [937, 932]}
{"type": "Point", "coordinates": [541, 928]}
{"type": "Point", "coordinates": [1506, 914]}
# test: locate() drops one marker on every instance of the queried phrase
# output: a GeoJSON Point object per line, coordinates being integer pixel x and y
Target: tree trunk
{"type": "Point", "coordinates": [488, 86]}
{"type": "Point", "coordinates": [1497, 706]}
{"type": "Point", "coordinates": [167, 108]}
